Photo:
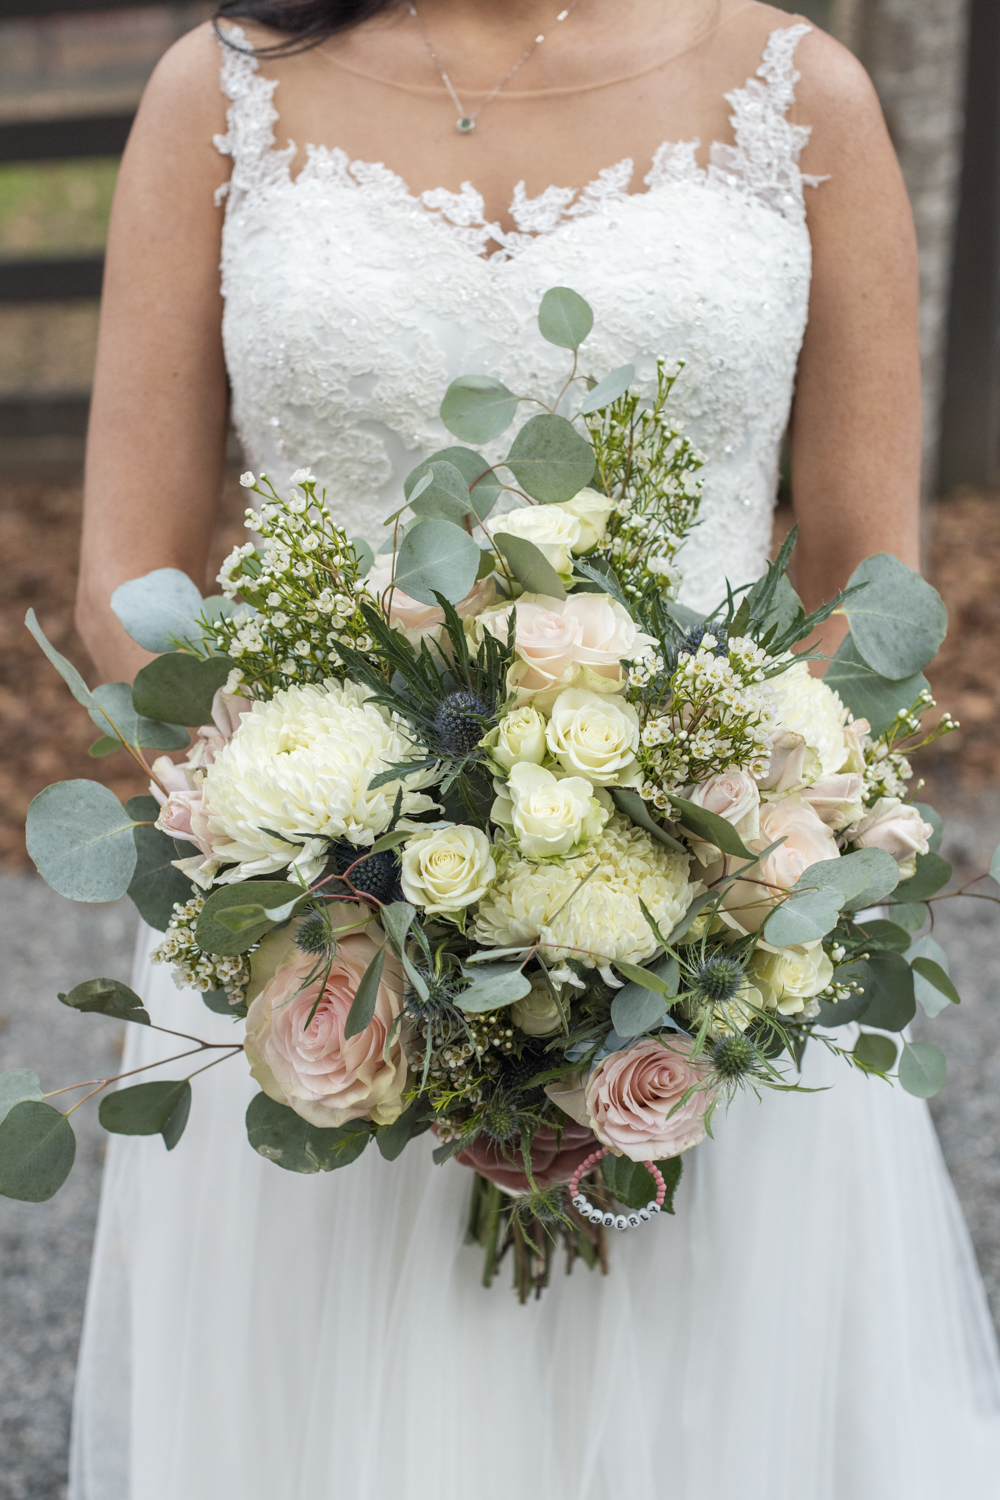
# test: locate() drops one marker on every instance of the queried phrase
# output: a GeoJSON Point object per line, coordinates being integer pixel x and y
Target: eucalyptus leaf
{"type": "Point", "coordinates": [854, 1005]}
{"type": "Point", "coordinates": [493, 985]}
{"type": "Point", "coordinates": [710, 827]}
{"type": "Point", "coordinates": [434, 558]}
{"type": "Point", "coordinates": [865, 692]}
{"type": "Point", "coordinates": [608, 389]}
{"type": "Point", "coordinates": [363, 1006]}
{"type": "Point", "coordinates": [156, 887]}
{"type": "Point", "coordinates": [393, 1139]}
{"type": "Point", "coordinates": [17, 1084]}
{"type": "Point", "coordinates": [931, 874]}
{"type": "Point", "coordinates": [477, 408]}
{"type": "Point", "coordinates": [864, 876]}
{"type": "Point", "coordinates": [875, 1052]}
{"type": "Point", "coordinates": [446, 497]}
{"type": "Point", "coordinates": [631, 804]}
{"type": "Point", "coordinates": [81, 692]}
{"type": "Point", "coordinates": [879, 933]}
{"type": "Point", "coordinates": [159, 609]}
{"type": "Point", "coordinates": [910, 914]}
{"type": "Point", "coordinates": [217, 607]}
{"type": "Point", "coordinates": [159, 1108]}
{"type": "Point", "coordinates": [116, 716]}
{"type": "Point", "coordinates": [803, 918]}
{"type": "Point", "coordinates": [922, 1069]}
{"type": "Point", "coordinates": [178, 688]}
{"type": "Point", "coordinates": [529, 565]}
{"type": "Point", "coordinates": [106, 745]}
{"type": "Point", "coordinates": [217, 936]}
{"type": "Point", "coordinates": [550, 460]}
{"type": "Point", "coordinates": [642, 1003]}
{"type": "Point", "coordinates": [397, 919]}
{"type": "Point", "coordinates": [683, 927]}
{"type": "Point", "coordinates": [483, 483]}
{"type": "Point", "coordinates": [898, 621]}
{"type": "Point", "coordinates": [107, 997]}
{"type": "Point", "coordinates": [277, 1132]}
{"type": "Point", "coordinates": [564, 318]}
{"type": "Point", "coordinates": [893, 1005]}
{"type": "Point", "coordinates": [80, 838]}
{"type": "Point", "coordinates": [933, 974]}
{"type": "Point", "coordinates": [364, 554]}
{"type": "Point", "coordinates": [37, 1150]}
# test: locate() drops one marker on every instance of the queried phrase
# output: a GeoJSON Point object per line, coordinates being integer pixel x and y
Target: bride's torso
{"type": "Point", "coordinates": [352, 302]}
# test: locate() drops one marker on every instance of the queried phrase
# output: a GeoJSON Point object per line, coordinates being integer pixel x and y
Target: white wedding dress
{"type": "Point", "coordinates": [811, 1324]}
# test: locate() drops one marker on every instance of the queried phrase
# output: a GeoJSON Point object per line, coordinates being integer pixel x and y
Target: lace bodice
{"type": "Point", "coordinates": [350, 304]}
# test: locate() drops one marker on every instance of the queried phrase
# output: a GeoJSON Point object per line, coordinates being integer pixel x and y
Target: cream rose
{"type": "Point", "coordinates": [416, 620]}
{"type": "Point", "coordinates": [795, 975]}
{"type": "Point", "coordinates": [520, 736]}
{"type": "Point", "coordinates": [896, 827]}
{"type": "Point", "coordinates": [787, 766]}
{"type": "Point", "coordinates": [576, 642]}
{"type": "Point", "coordinates": [634, 1098]}
{"type": "Point", "coordinates": [836, 799]}
{"type": "Point", "coordinates": [807, 840]}
{"type": "Point", "coordinates": [733, 796]}
{"type": "Point", "coordinates": [548, 815]}
{"type": "Point", "coordinates": [447, 869]}
{"type": "Point", "coordinates": [592, 510]}
{"type": "Point", "coordinates": [295, 1034]}
{"type": "Point", "coordinates": [594, 735]}
{"type": "Point", "coordinates": [538, 1013]}
{"type": "Point", "coordinates": [550, 528]}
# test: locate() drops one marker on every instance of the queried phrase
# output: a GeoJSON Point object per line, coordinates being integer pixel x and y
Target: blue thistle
{"type": "Point", "coordinates": [459, 720]}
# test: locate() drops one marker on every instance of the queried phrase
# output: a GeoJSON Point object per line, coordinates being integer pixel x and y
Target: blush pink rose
{"type": "Point", "coordinates": [304, 1060]}
{"type": "Point", "coordinates": [836, 799]}
{"type": "Point", "coordinates": [553, 1159]}
{"type": "Point", "coordinates": [733, 796]}
{"type": "Point", "coordinates": [561, 640]}
{"type": "Point", "coordinates": [416, 620]}
{"type": "Point", "coordinates": [633, 1098]}
{"type": "Point", "coordinates": [786, 766]}
{"type": "Point", "coordinates": [807, 840]}
{"type": "Point", "coordinates": [898, 828]}
{"type": "Point", "coordinates": [178, 786]}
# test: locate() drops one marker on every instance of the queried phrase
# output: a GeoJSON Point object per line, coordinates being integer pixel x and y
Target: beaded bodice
{"type": "Point", "coordinates": [350, 304]}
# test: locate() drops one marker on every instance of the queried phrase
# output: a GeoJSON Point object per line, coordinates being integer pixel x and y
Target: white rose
{"type": "Point", "coordinates": [733, 796]}
{"type": "Point", "coordinates": [594, 735]}
{"type": "Point", "coordinates": [518, 737]}
{"type": "Point", "coordinates": [549, 528]}
{"type": "Point", "coordinates": [836, 799]}
{"type": "Point", "coordinates": [592, 510]}
{"type": "Point", "coordinates": [538, 1013]}
{"type": "Point", "coordinates": [447, 869]}
{"type": "Point", "coordinates": [896, 827]}
{"type": "Point", "coordinates": [804, 704]}
{"type": "Point", "coordinates": [795, 975]}
{"type": "Point", "coordinates": [549, 815]}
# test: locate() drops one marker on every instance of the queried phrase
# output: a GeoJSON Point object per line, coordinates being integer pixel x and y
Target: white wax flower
{"type": "Point", "coordinates": [594, 735]}
{"type": "Point", "coordinates": [447, 869]}
{"type": "Point", "coordinates": [548, 815]}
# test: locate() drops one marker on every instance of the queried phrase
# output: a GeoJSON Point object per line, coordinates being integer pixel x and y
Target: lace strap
{"type": "Point", "coordinates": [777, 66]}
{"type": "Point", "coordinates": [251, 118]}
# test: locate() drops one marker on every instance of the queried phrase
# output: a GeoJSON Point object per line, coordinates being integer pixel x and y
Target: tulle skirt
{"type": "Point", "coordinates": [810, 1326]}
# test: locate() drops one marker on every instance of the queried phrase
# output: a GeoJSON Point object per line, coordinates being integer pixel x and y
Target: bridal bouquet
{"type": "Point", "coordinates": [489, 835]}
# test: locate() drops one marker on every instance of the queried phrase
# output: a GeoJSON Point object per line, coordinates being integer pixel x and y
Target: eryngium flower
{"type": "Point", "coordinates": [301, 765]}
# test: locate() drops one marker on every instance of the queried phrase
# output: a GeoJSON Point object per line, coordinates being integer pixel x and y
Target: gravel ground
{"type": "Point", "coordinates": [44, 1248]}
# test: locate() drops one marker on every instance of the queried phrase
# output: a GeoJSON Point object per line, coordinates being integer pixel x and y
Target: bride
{"type": "Point", "coordinates": [716, 179]}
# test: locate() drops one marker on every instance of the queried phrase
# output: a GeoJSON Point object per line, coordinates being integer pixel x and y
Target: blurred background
{"type": "Point", "coordinates": [70, 79]}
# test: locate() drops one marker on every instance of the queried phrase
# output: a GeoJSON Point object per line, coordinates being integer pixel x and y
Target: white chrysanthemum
{"type": "Point", "coordinates": [301, 765]}
{"type": "Point", "coordinates": [804, 704]}
{"type": "Point", "coordinates": [597, 920]}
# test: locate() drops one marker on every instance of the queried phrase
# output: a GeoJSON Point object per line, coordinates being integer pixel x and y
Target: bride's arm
{"type": "Point", "coordinates": [156, 447]}
{"type": "Point", "coordinates": [855, 435]}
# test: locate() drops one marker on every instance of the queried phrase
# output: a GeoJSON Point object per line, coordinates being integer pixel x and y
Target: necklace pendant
{"type": "Point", "coordinates": [465, 125]}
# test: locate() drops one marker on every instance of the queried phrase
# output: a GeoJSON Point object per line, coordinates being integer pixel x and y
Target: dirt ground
{"type": "Point", "coordinates": [44, 735]}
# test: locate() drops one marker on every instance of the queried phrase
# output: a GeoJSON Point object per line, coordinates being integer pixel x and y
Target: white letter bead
{"type": "Point", "coordinates": [621, 1222]}
{"type": "Point", "coordinates": [653, 1206]}
{"type": "Point", "coordinates": [645, 1215]}
{"type": "Point", "coordinates": [609, 1221]}
{"type": "Point", "coordinates": [579, 1201]}
{"type": "Point", "coordinates": [634, 1221]}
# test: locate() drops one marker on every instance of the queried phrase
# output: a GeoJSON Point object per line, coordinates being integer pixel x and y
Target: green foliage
{"type": "Point", "coordinates": [631, 804]}
{"type": "Point", "coordinates": [477, 408]}
{"type": "Point", "coordinates": [445, 497]}
{"type": "Point", "coordinates": [815, 901]}
{"type": "Point", "coordinates": [277, 1132]}
{"type": "Point", "coordinates": [710, 827]}
{"type": "Point", "coordinates": [931, 999]}
{"type": "Point", "coordinates": [529, 565]}
{"type": "Point", "coordinates": [633, 1186]}
{"type": "Point", "coordinates": [482, 483]}
{"type": "Point", "coordinates": [564, 318]}
{"type": "Point", "coordinates": [931, 874]}
{"type": "Point", "coordinates": [493, 985]}
{"type": "Point", "coordinates": [37, 1150]}
{"type": "Point", "coordinates": [156, 886]}
{"type": "Point", "coordinates": [881, 934]}
{"type": "Point", "coordinates": [550, 460]}
{"type": "Point", "coordinates": [17, 1084]}
{"type": "Point", "coordinates": [117, 717]}
{"type": "Point", "coordinates": [607, 390]}
{"type": "Point", "coordinates": [80, 838]}
{"type": "Point", "coordinates": [933, 974]}
{"type": "Point", "coordinates": [107, 997]}
{"type": "Point", "coordinates": [893, 1005]}
{"type": "Point", "coordinates": [160, 610]}
{"type": "Point", "coordinates": [66, 669]}
{"type": "Point", "coordinates": [922, 1069]}
{"type": "Point", "coordinates": [393, 1139]}
{"type": "Point", "coordinates": [246, 905]}
{"type": "Point", "coordinates": [178, 688]}
{"type": "Point", "coordinates": [898, 621]}
{"type": "Point", "coordinates": [852, 1006]}
{"type": "Point", "coordinates": [363, 1006]}
{"type": "Point", "coordinates": [875, 1053]}
{"type": "Point", "coordinates": [865, 692]}
{"type": "Point", "coordinates": [642, 1003]}
{"type": "Point", "coordinates": [159, 1108]}
{"type": "Point", "coordinates": [436, 557]}
{"type": "Point", "coordinates": [910, 914]}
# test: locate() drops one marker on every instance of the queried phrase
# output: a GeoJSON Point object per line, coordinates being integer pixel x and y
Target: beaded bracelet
{"type": "Point", "coordinates": [586, 1209]}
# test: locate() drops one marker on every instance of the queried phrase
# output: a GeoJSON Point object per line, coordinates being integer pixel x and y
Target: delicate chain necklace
{"type": "Point", "coordinates": [466, 121]}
